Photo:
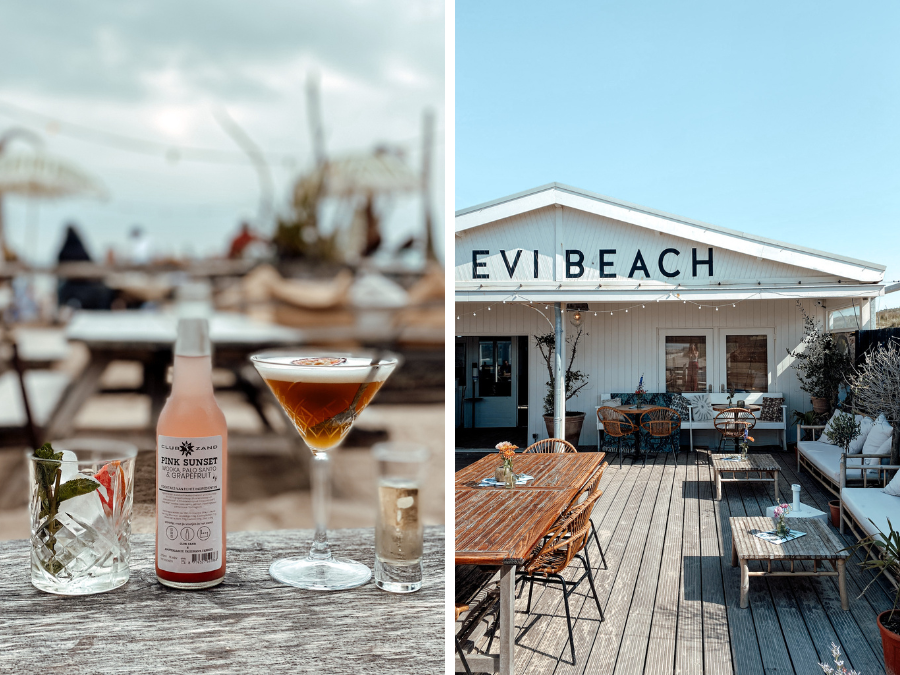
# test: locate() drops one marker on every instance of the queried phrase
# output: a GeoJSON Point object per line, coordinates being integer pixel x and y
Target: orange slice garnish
{"type": "Point", "coordinates": [318, 361]}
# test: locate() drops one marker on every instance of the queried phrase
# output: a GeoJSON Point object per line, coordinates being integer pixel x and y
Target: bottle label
{"type": "Point", "coordinates": [189, 504]}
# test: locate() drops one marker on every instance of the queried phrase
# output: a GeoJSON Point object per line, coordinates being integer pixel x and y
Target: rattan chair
{"type": "Point", "coordinates": [617, 425]}
{"type": "Point", "coordinates": [660, 424]}
{"type": "Point", "coordinates": [551, 445]}
{"type": "Point", "coordinates": [732, 422]}
{"type": "Point", "coordinates": [565, 541]}
{"type": "Point", "coordinates": [592, 486]}
{"type": "Point", "coordinates": [462, 657]}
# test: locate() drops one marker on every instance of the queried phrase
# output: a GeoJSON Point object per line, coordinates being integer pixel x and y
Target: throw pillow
{"type": "Point", "coordinates": [771, 409]}
{"type": "Point", "coordinates": [881, 431]}
{"type": "Point", "coordinates": [703, 409]}
{"type": "Point", "coordinates": [893, 488]}
{"type": "Point", "coordinates": [824, 436]}
{"type": "Point", "coordinates": [865, 428]}
{"type": "Point", "coordinates": [679, 404]}
{"type": "Point", "coordinates": [884, 449]}
{"type": "Point", "coordinates": [610, 403]}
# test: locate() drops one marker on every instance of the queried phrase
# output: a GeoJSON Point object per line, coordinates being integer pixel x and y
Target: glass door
{"type": "Point", "coordinates": [686, 360]}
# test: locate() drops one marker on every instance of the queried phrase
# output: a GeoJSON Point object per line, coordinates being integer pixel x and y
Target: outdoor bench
{"type": "Point", "coordinates": [823, 461]}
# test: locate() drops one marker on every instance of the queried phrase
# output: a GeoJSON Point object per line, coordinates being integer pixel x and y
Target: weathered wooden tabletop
{"type": "Point", "coordinates": [554, 471]}
{"type": "Point", "coordinates": [500, 526]}
{"type": "Point", "coordinates": [248, 624]}
{"type": "Point", "coordinates": [754, 463]}
{"type": "Point", "coordinates": [819, 542]}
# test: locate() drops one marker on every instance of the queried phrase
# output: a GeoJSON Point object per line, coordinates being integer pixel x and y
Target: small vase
{"type": "Point", "coordinates": [510, 477]}
{"type": "Point", "coordinates": [782, 529]}
{"type": "Point", "coordinates": [639, 401]}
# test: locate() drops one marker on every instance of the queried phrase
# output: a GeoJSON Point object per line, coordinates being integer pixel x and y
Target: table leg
{"type": "Point", "coordinates": [82, 389]}
{"type": "Point", "coordinates": [842, 583]}
{"type": "Point", "coordinates": [507, 618]}
{"type": "Point", "coordinates": [734, 558]}
{"type": "Point", "coordinates": [718, 484]}
{"type": "Point", "coordinates": [777, 497]}
{"type": "Point", "coordinates": [745, 584]}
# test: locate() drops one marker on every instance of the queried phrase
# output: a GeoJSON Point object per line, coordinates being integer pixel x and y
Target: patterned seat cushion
{"type": "Point", "coordinates": [679, 404]}
{"type": "Point", "coordinates": [771, 409]}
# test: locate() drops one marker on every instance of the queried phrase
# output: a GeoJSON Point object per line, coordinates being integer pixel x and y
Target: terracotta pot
{"type": "Point", "coordinates": [890, 643]}
{"type": "Point", "coordinates": [574, 422]}
{"type": "Point", "coordinates": [835, 507]}
{"type": "Point", "coordinates": [820, 405]}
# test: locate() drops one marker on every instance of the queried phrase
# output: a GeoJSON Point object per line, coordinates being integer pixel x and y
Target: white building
{"type": "Point", "coordinates": [648, 285]}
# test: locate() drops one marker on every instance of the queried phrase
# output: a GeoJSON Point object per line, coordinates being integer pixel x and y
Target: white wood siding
{"type": "Point", "coordinates": [588, 233]}
{"type": "Point", "coordinates": [616, 350]}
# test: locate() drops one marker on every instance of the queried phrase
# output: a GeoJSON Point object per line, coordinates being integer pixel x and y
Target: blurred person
{"type": "Point", "coordinates": [241, 241]}
{"type": "Point", "coordinates": [80, 293]}
{"type": "Point", "coordinates": [140, 245]}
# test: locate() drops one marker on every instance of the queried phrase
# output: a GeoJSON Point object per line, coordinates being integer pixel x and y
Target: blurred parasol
{"type": "Point", "coordinates": [39, 175]}
{"type": "Point", "coordinates": [43, 176]}
{"type": "Point", "coordinates": [367, 176]}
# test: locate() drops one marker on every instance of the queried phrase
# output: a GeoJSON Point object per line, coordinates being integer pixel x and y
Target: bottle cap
{"type": "Point", "coordinates": [193, 338]}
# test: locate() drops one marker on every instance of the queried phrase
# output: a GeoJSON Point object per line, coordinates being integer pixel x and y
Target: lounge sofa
{"type": "Point", "coordinates": [863, 506]}
{"type": "Point", "coordinates": [823, 462]}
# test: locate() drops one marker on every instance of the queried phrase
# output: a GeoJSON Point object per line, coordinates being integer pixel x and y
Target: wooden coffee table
{"type": "Point", "coordinates": [756, 469]}
{"type": "Point", "coordinates": [818, 545]}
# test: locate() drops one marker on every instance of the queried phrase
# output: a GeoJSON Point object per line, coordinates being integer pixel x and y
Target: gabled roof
{"type": "Point", "coordinates": [714, 235]}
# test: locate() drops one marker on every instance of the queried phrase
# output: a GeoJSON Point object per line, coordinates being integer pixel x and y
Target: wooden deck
{"type": "Point", "coordinates": [671, 597]}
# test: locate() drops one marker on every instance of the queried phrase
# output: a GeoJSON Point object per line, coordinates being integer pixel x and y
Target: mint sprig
{"type": "Point", "coordinates": [48, 473]}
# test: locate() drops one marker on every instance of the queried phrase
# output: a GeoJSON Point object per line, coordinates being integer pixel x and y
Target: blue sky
{"type": "Point", "coordinates": [779, 119]}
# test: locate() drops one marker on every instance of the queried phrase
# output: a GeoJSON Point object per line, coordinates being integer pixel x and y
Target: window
{"type": "Point", "coordinates": [686, 363]}
{"type": "Point", "coordinates": [747, 363]}
{"type": "Point", "coordinates": [844, 319]}
{"type": "Point", "coordinates": [494, 367]}
{"type": "Point", "coordinates": [460, 364]}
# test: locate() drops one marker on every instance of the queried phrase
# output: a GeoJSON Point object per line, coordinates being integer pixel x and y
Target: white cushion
{"type": "Point", "coordinates": [885, 450]}
{"type": "Point", "coordinates": [611, 402]}
{"type": "Point", "coordinates": [865, 503]}
{"type": "Point", "coordinates": [893, 488]}
{"type": "Point", "coordinates": [827, 459]}
{"type": "Point", "coordinates": [702, 407]}
{"type": "Point", "coordinates": [881, 431]}
{"type": "Point", "coordinates": [865, 427]}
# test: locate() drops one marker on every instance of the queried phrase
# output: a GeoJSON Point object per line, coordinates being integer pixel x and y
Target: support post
{"type": "Point", "coordinates": [559, 410]}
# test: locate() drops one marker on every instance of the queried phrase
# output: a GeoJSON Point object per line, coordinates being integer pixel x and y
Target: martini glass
{"type": "Point", "coordinates": [322, 393]}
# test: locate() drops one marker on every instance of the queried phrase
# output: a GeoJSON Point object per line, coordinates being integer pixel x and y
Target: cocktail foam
{"type": "Point", "coordinates": [353, 370]}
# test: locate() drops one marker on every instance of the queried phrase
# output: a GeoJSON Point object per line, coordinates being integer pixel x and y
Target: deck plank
{"type": "Point", "coordinates": [671, 596]}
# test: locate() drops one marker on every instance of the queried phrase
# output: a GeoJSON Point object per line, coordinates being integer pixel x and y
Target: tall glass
{"type": "Point", "coordinates": [398, 524]}
{"type": "Point", "coordinates": [323, 394]}
{"type": "Point", "coordinates": [81, 502]}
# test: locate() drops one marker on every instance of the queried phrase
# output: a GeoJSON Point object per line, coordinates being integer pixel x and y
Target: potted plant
{"type": "Point", "coordinates": [821, 363]}
{"type": "Point", "coordinates": [843, 430]}
{"type": "Point", "coordinates": [576, 380]}
{"type": "Point", "coordinates": [887, 550]}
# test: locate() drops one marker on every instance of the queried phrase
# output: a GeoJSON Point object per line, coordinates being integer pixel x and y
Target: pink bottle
{"type": "Point", "coordinates": [191, 469]}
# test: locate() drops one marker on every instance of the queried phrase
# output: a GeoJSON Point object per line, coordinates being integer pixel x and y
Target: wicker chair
{"type": "Point", "coordinates": [616, 425]}
{"type": "Point", "coordinates": [732, 422]}
{"type": "Point", "coordinates": [462, 657]}
{"type": "Point", "coordinates": [565, 541]}
{"type": "Point", "coordinates": [660, 424]}
{"type": "Point", "coordinates": [551, 445]}
{"type": "Point", "coordinates": [592, 486]}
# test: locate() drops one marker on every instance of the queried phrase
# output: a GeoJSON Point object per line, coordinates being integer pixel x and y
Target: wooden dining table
{"type": "Point", "coordinates": [500, 526]}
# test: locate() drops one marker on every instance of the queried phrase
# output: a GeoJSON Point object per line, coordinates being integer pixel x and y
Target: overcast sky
{"type": "Point", "coordinates": [774, 118]}
{"type": "Point", "coordinates": [157, 70]}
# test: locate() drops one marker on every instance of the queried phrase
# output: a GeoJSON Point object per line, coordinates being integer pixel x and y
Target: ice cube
{"type": "Point", "coordinates": [69, 466]}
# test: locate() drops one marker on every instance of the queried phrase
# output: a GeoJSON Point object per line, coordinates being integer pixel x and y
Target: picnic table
{"type": "Point", "coordinates": [148, 337]}
{"type": "Point", "coordinates": [249, 624]}
{"type": "Point", "coordinates": [501, 526]}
